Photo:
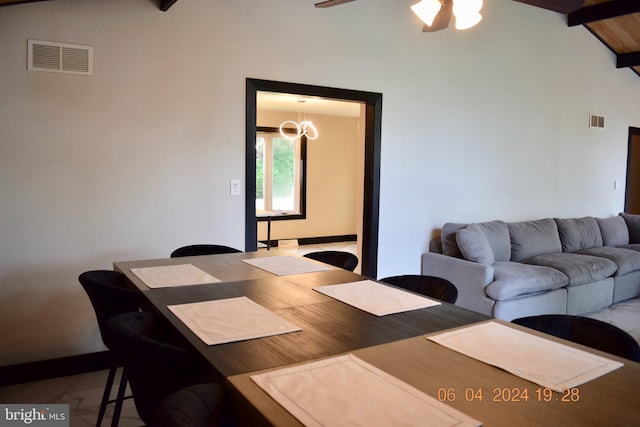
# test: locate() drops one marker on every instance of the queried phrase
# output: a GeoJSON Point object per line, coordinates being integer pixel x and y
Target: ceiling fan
{"type": "Point", "coordinates": [441, 16]}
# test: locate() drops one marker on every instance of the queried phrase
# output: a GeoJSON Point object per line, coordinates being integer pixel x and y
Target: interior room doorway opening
{"type": "Point", "coordinates": [632, 187]}
{"type": "Point", "coordinates": [372, 105]}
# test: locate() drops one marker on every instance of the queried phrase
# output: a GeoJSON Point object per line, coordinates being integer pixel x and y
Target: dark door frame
{"type": "Point", "coordinates": [372, 150]}
{"type": "Point", "coordinates": [633, 132]}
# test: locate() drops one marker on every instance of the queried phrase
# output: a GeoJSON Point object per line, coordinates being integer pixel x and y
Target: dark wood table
{"type": "Point", "coordinates": [329, 326]}
{"type": "Point", "coordinates": [394, 343]}
{"type": "Point", "coordinates": [488, 394]}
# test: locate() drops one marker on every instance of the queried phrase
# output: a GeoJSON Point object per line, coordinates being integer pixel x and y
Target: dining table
{"type": "Point", "coordinates": [399, 346]}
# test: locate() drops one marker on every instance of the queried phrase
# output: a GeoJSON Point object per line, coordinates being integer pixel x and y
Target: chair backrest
{"type": "Point", "coordinates": [431, 286]}
{"type": "Point", "coordinates": [586, 331]}
{"type": "Point", "coordinates": [109, 295]}
{"type": "Point", "coordinates": [155, 368]}
{"type": "Point", "coordinates": [345, 260]}
{"type": "Point", "coordinates": [203, 249]}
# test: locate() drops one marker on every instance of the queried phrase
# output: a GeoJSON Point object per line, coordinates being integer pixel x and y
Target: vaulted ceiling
{"type": "Point", "coordinates": [616, 23]}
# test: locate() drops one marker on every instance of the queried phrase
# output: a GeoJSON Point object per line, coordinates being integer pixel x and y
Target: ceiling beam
{"type": "Point", "coordinates": [631, 59]}
{"type": "Point", "coordinates": [166, 4]}
{"type": "Point", "coordinates": [601, 11]}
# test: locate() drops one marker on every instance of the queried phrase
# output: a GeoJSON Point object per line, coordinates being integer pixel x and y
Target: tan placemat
{"type": "Point", "coordinates": [376, 298]}
{"type": "Point", "coordinates": [231, 319]}
{"type": "Point", "coordinates": [283, 265]}
{"type": "Point", "coordinates": [173, 275]}
{"type": "Point", "coordinates": [347, 391]}
{"type": "Point", "coordinates": [540, 360]}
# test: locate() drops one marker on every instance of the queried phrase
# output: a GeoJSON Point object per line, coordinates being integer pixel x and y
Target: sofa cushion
{"type": "Point", "coordinates": [633, 223]}
{"type": "Point", "coordinates": [577, 234]}
{"type": "Point", "coordinates": [513, 279]}
{"type": "Point", "coordinates": [531, 238]}
{"type": "Point", "coordinates": [580, 269]}
{"type": "Point", "coordinates": [497, 234]}
{"type": "Point", "coordinates": [632, 246]}
{"type": "Point", "coordinates": [614, 231]}
{"type": "Point", "coordinates": [474, 245]}
{"type": "Point", "coordinates": [448, 238]}
{"type": "Point", "coordinates": [627, 260]}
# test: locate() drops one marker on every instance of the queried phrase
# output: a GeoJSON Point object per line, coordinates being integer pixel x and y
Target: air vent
{"type": "Point", "coordinates": [60, 57]}
{"type": "Point", "coordinates": [596, 121]}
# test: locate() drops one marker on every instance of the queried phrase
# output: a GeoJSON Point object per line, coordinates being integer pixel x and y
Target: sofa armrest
{"type": "Point", "coordinates": [471, 279]}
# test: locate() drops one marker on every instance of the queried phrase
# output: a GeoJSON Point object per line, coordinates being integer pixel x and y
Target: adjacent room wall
{"type": "Point", "coordinates": [486, 123]}
{"type": "Point", "coordinates": [332, 174]}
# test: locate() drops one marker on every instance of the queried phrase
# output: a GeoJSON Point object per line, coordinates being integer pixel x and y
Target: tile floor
{"type": "Point", "coordinates": [83, 392]}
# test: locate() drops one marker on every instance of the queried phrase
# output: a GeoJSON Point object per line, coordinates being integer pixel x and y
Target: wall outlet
{"type": "Point", "coordinates": [235, 187]}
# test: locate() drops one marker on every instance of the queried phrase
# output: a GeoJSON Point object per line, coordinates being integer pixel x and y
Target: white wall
{"type": "Point", "coordinates": [332, 175]}
{"type": "Point", "coordinates": [136, 160]}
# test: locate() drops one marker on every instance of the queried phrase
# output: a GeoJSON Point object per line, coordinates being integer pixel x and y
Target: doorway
{"type": "Point", "coordinates": [632, 187]}
{"type": "Point", "coordinates": [372, 135]}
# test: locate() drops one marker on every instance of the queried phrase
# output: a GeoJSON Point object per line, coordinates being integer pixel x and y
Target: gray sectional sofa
{"type": "Point", "coordinates": [546, 266]}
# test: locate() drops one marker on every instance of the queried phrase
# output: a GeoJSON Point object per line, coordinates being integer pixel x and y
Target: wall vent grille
{"type": "Point", "coordinates": [60, 57]}
{"type": "Point", "coordinates": [596, 121]}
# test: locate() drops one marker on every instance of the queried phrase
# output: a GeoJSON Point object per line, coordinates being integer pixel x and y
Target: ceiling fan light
{"type": "Point", "coordinates": [466, 7]}
{"type": "Point", "coordinates": [467, 13]}
{"type": "Point", "coordinates": [467, 21]}
{"type": "Point", "coordinates": [427, 10]}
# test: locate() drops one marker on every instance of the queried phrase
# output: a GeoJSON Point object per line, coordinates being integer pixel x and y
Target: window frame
{"type": "Point", "coordinates": [303, 179]}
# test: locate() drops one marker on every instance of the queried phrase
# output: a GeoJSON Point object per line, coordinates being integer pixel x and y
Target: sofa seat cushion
{"type": "Point", "coordinates": [632, 246]}
{"type": "Point", "coordinates": [580, 269]}
{"type": "Point", "coordinates": [514, 279]}
{"type": "Point", "coordinates": [627, 260]}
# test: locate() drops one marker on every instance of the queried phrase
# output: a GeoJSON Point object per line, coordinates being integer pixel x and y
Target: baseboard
{"type": "Point", "coordinates": [328, 239]}
{"type": "Point", "coordinates": [54, 368]}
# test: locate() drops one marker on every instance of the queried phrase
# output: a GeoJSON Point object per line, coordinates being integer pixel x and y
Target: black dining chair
{"type": "Point", "coordinates": [110, 296]}
{"type": "Point", "coordinates": [586, 331]}
{"type": "Point", "coordinates": [158, 366]}
{"type": "Point", "coordinates": [345, 260]}
{"type": "Point", "coordinates": [199, 405]}
{"type": "Point", "coordinates": [203, 249]}
{"type": "Point", "coordinates": [431, 286]}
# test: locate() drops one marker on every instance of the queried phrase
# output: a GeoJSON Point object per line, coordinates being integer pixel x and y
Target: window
{"type": "Point", "coordinates": [280, 174]}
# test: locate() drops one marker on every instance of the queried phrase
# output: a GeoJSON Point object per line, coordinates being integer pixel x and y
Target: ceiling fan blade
{"type": "Point", "coordinates": [330, 3]}
{"type": "Point", "coordinates": [441, 21]}
{"type": "Point", "coordinates": [562, 6]}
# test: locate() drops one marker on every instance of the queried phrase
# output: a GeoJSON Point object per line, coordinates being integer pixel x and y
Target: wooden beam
{"type": "Point", "coordinates": [560, 6]}
{"type": "Point", "coordinates": [166, 4]}
{"type": "Point", "coordinates": [601, 11]}
{"type": "Point", "coordinates": [13, 2]}
{"type": "Point", "coordinates": [631, 59]}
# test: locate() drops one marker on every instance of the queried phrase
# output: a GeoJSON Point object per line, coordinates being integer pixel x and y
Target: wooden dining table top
{"type": "Point", "coordinates": [486, 393]}
{"type": "Point", "coordinates": [328, 326]}
{"type": "Point", "coordinates": [395, 343]}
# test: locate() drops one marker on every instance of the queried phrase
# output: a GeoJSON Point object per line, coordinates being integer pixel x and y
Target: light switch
{"type": "Point", "coordinates": [235, 187]}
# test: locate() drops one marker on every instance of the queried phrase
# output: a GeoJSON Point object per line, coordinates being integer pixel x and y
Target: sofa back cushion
{"type": "Point", "coordinates": [474, 245]}
{"type": "Point", "coordinates": [577, 234]}
{"type": "Point", "coordinates": [633, 223]}
{"type": "Point", "coordinates": [614, 231]}
{"type": "Point", "coordinates": [448, 238]}
{"type": "Point", "coordinates": [531, 238]}
{"type": "Point", "coordinates": [497, 234]}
